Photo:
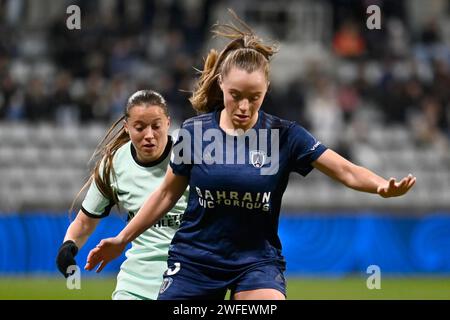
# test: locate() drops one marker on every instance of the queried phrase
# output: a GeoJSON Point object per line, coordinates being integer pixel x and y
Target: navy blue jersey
{"type": "Point", "coordinates": [231, 220]}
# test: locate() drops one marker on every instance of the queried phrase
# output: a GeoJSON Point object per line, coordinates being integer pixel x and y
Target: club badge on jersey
{"type": "Point", "coordinates": [258, 158]}
{"type": "Point", "coordinates": [165, 285]}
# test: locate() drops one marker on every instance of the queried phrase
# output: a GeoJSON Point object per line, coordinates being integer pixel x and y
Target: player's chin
{"type": "Point", "coordinates": [149, 154]}
{"type": "Point", "coordinates": [149, 150]}
{"type": "Point", "coordinates": [241, 124]}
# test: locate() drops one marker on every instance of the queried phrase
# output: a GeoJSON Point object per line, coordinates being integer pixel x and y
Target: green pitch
{"type": "Point", "coordinates": [298, 288]}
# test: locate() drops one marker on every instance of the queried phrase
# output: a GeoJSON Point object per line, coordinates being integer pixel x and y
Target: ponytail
{"type": "Point", "coordinates": [103, 168]}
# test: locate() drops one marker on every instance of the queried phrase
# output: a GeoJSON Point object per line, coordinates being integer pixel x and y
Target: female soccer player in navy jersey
{"type": "Point", "coordinates": [236, 160]}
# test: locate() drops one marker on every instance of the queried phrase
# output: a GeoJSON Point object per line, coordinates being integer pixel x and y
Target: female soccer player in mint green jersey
{"type": "Point", "coordinates": [132, 164]}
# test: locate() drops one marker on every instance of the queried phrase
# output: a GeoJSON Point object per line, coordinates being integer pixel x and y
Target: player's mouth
{"type": "Point", "coordinates": [241, 117]}
{"type": "Point", "coordinates": [149, 147]}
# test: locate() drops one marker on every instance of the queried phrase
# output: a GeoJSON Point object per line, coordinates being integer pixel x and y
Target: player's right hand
{"type": "Point", "coordinates": [396, 189]}
{"type": "Point", "coordinates": [66, 257]}
{"type": "Point", "coordinates": [106, 250]}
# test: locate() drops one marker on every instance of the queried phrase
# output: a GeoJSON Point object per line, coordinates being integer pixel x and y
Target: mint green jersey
{"type": "Point", "coordinates": [141, 273]}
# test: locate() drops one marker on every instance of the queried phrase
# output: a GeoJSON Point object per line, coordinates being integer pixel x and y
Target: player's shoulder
{"type": "Point", "coordinates": [270, 121]}
{"type": "Point", "coordinates": [122, 155]}
{"type": "Point", "coordinates": [205, 119]}
{"type": "Point", "coordinates": [288, 129]}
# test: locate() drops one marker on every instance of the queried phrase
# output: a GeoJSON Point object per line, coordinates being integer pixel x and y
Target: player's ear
{"type": "Point", "coordinates": [125, 126]}
{"type": "Point", "coordinates": [220, 82]}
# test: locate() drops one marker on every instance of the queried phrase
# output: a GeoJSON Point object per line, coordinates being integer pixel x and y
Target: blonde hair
{"type": "Point", "coordinates": [245, 51]}
{"type": "Point", "coordinates": [113, 140]}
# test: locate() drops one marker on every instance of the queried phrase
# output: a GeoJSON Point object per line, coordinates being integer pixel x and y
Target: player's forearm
{"type": "Point", "coordinates": [153, 209]}
{"type": "Point", "coordinates": [80, 230]}
{"type": "Point", "coordinates": [362, 179]}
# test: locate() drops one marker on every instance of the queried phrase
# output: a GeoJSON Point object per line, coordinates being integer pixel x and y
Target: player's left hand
{"type": "Point", "coordinates": [103, 253]}
{"type": "Point", "coordinates": [66, 257]}
{"type": "Point", "coordinates": [396, 189]}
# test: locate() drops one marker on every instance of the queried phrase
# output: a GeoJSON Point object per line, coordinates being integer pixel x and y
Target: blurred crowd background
{"type": "Point", "coordinates": [379, 97]}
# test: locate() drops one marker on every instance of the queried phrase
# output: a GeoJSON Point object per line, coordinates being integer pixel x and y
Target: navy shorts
{"type": "Point", "coordinates": [184, 281]}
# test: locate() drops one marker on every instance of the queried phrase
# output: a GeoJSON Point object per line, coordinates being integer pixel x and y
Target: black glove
{"type": "Point", "coordinates": [66, 256]}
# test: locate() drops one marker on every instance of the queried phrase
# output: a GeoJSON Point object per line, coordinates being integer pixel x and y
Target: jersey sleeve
{"type": "Point", "coordinates": [95, 204]}
{"type": "Point", "coordinates": [181, 159]}
{"type": "Point", "coordinates": [304, 148]}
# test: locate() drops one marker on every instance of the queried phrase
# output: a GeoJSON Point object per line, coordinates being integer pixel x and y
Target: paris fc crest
{"type": "Point", "coordinates": [165, 285]}
{"type": "Point", "coordinates": [258, 158]}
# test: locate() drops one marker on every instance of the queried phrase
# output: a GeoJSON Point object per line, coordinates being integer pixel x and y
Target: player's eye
{"type": "Point", "coordinates": [235, 96]}
{"type": "Point", "coordinates": [139, 129]}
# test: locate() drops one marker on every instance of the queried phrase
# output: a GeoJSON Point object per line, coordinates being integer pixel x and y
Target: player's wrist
{"type": "Point", "coordinates": [122, 239]}
{"type": "Point", "coordinates": [70, 246]}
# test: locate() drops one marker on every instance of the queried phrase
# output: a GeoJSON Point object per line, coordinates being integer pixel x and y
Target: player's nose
{"type": "Point", "coordinates": [244, 105]}
{"type": "Point", "coordinates": [149, 134]}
